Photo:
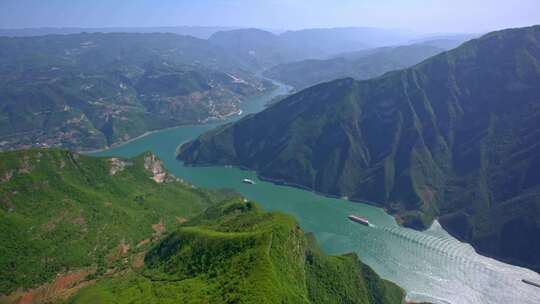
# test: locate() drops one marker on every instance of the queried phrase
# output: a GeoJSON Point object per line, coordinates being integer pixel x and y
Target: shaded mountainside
{"type": "Point", "coordinates": [236, 253]}
{"type": "Point", "coordinates": [359, 65]}
{"type": "Point", "coordinates": [66, 217]}
{"type": "Point", "coordinates": [455, 137]}
{"type": "Point", "coordinates": [89, 91]}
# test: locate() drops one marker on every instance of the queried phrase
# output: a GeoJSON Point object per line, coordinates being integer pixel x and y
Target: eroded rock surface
{"type": "Point", "coordinates": [154, 165]}
{"type": "Point", "coordinates": [117, 166]}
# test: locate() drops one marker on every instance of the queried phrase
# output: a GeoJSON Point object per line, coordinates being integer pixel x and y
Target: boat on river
{"type": "Point", "coordinates": [248, 181]}
{"type": "Point", "coordinates": [359, 220]}
{"type": "Point", "coordinates": [531, 283]}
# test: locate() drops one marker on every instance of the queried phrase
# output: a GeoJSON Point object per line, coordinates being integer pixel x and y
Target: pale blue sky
{"type": "Point", "coordinates": [420, 15]}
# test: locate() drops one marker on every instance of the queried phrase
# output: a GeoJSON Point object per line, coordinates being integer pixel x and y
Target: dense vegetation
{"type": "Point", "coordinates": [61, 211]}
{"type": "Point", "coordinates": [455, 137]}
{"type": "Point", "coordinates": [359, 65]}
{"type": "Point", "coordinates": [236, 253]}
{"type": "Point", "coordinates": [88, 91]}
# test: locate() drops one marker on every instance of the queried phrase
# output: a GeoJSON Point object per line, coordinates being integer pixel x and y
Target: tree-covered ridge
{"type": "Point", "coordinates": [236, 253]}
{"type": "Point", "coordinates": [88, 91]}
{"type": "Point", "coordinates": [454, 137]}
{"type": "Point", "coordinates": [62, 212]}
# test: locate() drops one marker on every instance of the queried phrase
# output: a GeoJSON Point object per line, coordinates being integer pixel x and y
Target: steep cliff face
{"type": "Point", "coordinates": [455, 137]}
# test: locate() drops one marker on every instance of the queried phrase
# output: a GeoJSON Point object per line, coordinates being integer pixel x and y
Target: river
{"type": "Point", "coordinates": [431, 265]}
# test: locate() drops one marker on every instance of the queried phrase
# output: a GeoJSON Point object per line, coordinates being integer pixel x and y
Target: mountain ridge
{"type": "Point", "coordinates": [265, 49]}
{"type": "Point", "coordinates": [433, 140]}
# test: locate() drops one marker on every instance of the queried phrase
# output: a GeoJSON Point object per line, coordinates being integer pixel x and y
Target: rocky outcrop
{"type": "Point", "coordinates": [117, 166]}
{"type": "Point", "coordinates": [155, 166]}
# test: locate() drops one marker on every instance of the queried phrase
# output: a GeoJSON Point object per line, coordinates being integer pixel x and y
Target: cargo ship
{"type": "Point", "coordinates": [248, 181]}
{"type": "Point", "coordinates": [359, 220]}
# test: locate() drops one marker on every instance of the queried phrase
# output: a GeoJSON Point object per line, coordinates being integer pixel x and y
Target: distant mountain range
{"type": "Point", "coordinates": [445, 41]}
{"type": "Point", "coordinates": [89, 91]}
{"type": "Point", "coordinates": [79, 229]}
{"type": "Point", "coordinates": [359, 65]}
{"type": "Point", "coordinates": [202, 32]}
{"type": "Point", "coordinates": [364, 64]}
{"type": "Point", "coordinates": [455, 137]}
{"type": "Point", "coordinates": [266, 49]}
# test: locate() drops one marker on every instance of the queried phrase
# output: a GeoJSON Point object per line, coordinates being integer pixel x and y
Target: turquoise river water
{"type": "Point", "coordinates": [430, 265]}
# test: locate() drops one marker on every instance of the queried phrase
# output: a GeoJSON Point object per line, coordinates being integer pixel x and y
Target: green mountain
{"type": "Point", "coordinates": [455, 137]}
{"type": "Point", "coordinates": [109, 230]}
{"type": "Point", "coordinates": [236, 253]}
{"type": "Point", "coordinates": [359, 65]}
{"type": "Point", "coordinates": [89, 91]}
{"type": "Point", "coordinates": [61, 211]}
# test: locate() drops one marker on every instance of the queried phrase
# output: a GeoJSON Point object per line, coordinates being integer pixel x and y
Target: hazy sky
{"type": "Point", "coordinates": [420, 15]}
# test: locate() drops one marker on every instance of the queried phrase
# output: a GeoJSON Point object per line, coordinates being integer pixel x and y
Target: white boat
{"type": "Point", "coordinates": [359, 220]}
{"type": "Point", "coordinates": [248, 181]}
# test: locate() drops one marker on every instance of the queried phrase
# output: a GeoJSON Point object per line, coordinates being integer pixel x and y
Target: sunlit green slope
{"type": "Point", "coordinates": [237, 253]}
{"type": "Point", "coordinates": [61, 211]}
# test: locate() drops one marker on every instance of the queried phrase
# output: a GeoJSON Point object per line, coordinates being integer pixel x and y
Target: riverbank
{"type": "Point", "coordinates": [281, 182]}
{"type": "Point", "coordinates": [216, 121]}
{"type": "Point", "coordinates": [120, 144]}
